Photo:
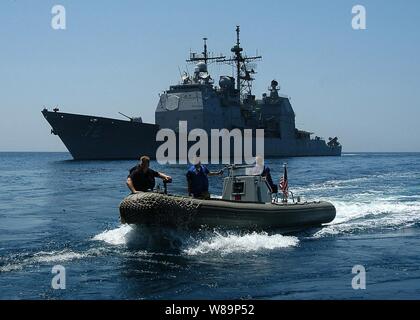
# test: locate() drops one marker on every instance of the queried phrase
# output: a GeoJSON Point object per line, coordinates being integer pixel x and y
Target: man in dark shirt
{"type": "Point", "coordinates": [142, 178]}
{"type": "Point", "coordinates": [267, 174]}
{"type": "Point", "coordinates": [260, 168]}
{"type": "Point", "coordinates": [198, 183]}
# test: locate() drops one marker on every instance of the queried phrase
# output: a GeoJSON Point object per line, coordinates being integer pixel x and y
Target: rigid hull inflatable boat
{"type": "Point", "coordinates": [246, 203]}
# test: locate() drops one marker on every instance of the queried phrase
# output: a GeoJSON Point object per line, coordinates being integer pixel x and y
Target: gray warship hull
{"type": "Point", "coordinates": [96, 138]}
{"type": "Point", "coordinates": [275, 147]}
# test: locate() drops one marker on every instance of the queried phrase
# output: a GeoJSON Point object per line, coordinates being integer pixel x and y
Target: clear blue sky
{"type": "Point", "coordinates": [362, 86]}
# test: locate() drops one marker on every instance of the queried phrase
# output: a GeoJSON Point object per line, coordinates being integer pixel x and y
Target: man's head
{"type": "Point", "coordinates": [196, 162]}
{"type": "Point", "coordinates": [144, 162]}
{"type": "Point", "coordinates": [259, 161]}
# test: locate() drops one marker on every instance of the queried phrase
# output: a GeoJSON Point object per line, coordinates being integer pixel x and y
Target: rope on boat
{"type": "Point", "coordinates": [163, 209]}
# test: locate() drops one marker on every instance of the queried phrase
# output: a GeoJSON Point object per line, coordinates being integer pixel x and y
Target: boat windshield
{"type": "Point", "coordinates": [254, 170]}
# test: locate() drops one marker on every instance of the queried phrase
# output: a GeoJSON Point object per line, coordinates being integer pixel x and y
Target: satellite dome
{"type": "Point", "coordinates": [225, 82]}
{"type": "Point", "coordinates": [274, 83]}
{"type": "Point", "coordinates": [201, 67]}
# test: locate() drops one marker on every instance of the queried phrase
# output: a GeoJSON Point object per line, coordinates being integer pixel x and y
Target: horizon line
{"type": "Point", "coordinates": [346, 152]}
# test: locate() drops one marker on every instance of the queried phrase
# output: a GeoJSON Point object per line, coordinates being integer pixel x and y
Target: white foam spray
{"type": "Point", "coordinates": [233, 243]}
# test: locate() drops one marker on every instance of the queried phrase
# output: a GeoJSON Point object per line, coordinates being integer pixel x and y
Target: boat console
{"type": "Point", "coordinates": [245, 183]}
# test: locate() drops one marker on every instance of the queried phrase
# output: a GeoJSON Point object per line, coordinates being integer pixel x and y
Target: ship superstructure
{"type": "Point", "coordinates": [232, 105]}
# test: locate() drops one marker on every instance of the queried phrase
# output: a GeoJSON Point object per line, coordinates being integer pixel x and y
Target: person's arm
{"type": "Point", "coordinates": [164, 177]}
{"type": "Point", "coordinates": [215, 173]}
{"type": "Point", "coordinates": [130, 185]}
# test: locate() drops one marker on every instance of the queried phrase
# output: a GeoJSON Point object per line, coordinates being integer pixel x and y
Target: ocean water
{"type": "Point", "coordinates": [55, 211]}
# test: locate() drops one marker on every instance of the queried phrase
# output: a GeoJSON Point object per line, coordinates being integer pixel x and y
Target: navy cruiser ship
{"type": "Point", "coordinates": [197, 100]}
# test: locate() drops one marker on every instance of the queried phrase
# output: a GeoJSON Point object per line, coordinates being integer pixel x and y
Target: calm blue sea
{"type": "Point", "coordinates": [55, 211]}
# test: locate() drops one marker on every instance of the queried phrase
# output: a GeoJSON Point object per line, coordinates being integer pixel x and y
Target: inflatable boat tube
{"type": "Point", "coordinates": [177, 211]}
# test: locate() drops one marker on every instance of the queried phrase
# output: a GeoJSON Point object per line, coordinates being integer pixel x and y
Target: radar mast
{"type": "Point", "coordinates": [205, 56]}
{"type": "Point", "coordinates": [244, 70]}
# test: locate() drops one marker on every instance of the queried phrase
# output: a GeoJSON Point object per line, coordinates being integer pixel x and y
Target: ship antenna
{"type": "Point", "coordinates": [205, 51]}
{"type": "Point", "coordinates": [243, 74]}
{"type": "Point", "coordinates": [237, 59]}
{"type": "Point", "coordinates": [204, 56]}
{"type": "Point", "coordinates": [237, 50]}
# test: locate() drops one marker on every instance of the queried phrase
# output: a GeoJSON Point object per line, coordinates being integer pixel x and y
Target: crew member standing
{"type": "Point", "coordinates": [198, 183]}
{"type": "Point", "coordinates": [265, 172]}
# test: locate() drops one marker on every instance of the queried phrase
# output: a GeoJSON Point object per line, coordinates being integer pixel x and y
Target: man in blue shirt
{"type": "Point", "coordinates": [198, 183]}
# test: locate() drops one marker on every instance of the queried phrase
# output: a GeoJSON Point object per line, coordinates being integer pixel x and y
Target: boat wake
{"type": "Point", "coordinates": [134, 241]}
{"type": "Point", "coordinates": [233, 243]}
{"type": "Point", "coordinates": [383, 214]}
{"type": "Point", "coordinates": [368, 203]}
{"type": "Point", "coordinates": [20, 261]}
{"type": "Point", "coordinates": [195, 243]}
{"type": "Point", "coordinates": [117, 236]}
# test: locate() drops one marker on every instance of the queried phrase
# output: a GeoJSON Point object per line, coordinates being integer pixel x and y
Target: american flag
{"type": "Point", "coordinates": [284, 184]}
